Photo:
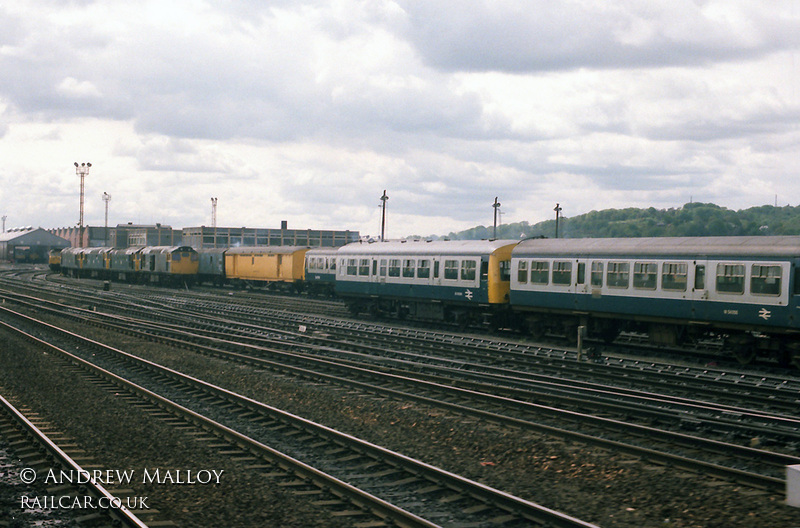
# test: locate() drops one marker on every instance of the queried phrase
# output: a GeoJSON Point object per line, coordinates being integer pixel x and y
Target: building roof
{"type": "Point", "coordinates": [32, 237]}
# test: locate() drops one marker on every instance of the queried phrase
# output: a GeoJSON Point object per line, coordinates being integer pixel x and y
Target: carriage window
{"type": "Point", "coordinates": [351, 267]}
{"type": "Point", "coordinates": [468, 270]}
{"type": "Point", "coordinates": [645, 275]}
{"type": "Point", "coordinates": [765, 280]}
{"type": "Point", "coordinates": [394, 267]}
{"type": "Point", "coordinates": [597, 274]}
{"type": "Point", "coordinates": [363, 267]}
{"type": "Point", "coordinates": [674, 276]}
{"type": "Point", "coordinates": [451, 269]}
{"type": "Point", "coordinates": [423, 269]}
{"type": "Point", "coordinates": [382, 271]}
{"type": "Point", "coordinates": [435, 269]}
{"type": "Point", "coordinates": [730, 278]}
{"type": "Point", "coordinates": [562, 272]}
{"type": "Point", "coordinates": [408, 269]}
{"type": "Point", "coordinates": [581, 273]}
{"type": "Point", "coordinates": [540, 271]}
{"type": "Point", "coordinates": [618, 275]}
{"type": "Point", "coordinates": [522, 272]}
{"type": "Point", "coordinates": [333, 263]}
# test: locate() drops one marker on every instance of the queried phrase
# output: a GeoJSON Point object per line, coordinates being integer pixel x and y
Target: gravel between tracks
{"type": "Point", "coordinates": [597, 486]}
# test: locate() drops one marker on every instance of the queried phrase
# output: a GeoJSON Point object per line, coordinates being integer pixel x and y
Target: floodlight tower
{"type": "Point", "coordinates": [81, 170]}
{"type": "Point", "coordinates": [384, 198]}
{"type": "Point", "coordinates": [106, 199]}
{"type": "Point", "coordinates": [214, 219]}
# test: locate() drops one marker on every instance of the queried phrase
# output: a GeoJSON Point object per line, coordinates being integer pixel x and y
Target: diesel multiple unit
{"type": "Point", "coordinates": [745, 290]}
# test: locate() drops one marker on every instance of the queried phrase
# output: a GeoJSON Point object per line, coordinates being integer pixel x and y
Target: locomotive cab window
{"type": "Point", "coordinates": [562, 273]}
{"type": "Point", "coordinates": [730, 278]}
{"type": "Point", "coordinates": [765, 280]}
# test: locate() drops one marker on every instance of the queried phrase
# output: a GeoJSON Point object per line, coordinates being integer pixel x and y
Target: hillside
{"type": "Point", "coordinates": [693, 219]}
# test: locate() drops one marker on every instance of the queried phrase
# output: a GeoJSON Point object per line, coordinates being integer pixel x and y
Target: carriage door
{"type": "Point", "coordinates": [699, 282]}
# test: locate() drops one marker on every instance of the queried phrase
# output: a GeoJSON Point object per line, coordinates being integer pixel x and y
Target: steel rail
{"type": "Point", "coordinates": [742, 476]}
{"type": "Point", "coordinates": [532, 511]}
{"type": "Point", "coordinates": [120, 512]}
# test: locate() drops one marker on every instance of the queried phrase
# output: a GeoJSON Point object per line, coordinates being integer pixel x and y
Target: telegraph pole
{"type": "Point", "coordinates": [496, 206]}
{"type": "Point", "coordinates": [384, 199]}
{"type": "Point", "coordinates": [81, 170]}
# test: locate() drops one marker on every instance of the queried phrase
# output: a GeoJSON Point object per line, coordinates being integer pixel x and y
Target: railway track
{"type": "Point", "coordinates": [39, 453]}
{"type": "Point", "coordinates": [485, 399]}
{"type": "Point", "coordinates": [407, 482]}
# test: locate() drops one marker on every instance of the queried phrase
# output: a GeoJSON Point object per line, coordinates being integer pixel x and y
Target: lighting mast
{"type": "Point", "coordinates": [81, 170]}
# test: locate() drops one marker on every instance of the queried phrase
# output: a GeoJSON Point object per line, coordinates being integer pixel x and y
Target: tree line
{"type": "Point", "coordinates": [693, 219]}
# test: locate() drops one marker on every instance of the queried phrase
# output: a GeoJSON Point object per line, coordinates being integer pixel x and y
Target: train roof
{"type": "Point", "coordinates": [427, 247]}
{"type": "Point", "coordinates": [265, 250]}
{"type": "Point", "coordinates": [212, 251]}
{"type": "Point", "coordinates": [733, 246]}
{"type": "Point", "coordinates": [149, 250]}
{"type": "Point", "coordinates": [323, 251]}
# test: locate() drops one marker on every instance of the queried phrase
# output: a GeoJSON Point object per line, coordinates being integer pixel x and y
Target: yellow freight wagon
{"type": "Point", "coordinates": [270, 266]}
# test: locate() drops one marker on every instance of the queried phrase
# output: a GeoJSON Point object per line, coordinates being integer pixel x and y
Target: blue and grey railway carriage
{"type": "Point", "coordinates": [454, 281]}
{"type": "Point", "coordinates": [744, 289]}
{"type": "Point", "coordinates": [321, 271]}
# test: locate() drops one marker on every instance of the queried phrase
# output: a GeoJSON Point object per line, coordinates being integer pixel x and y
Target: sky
{"type": "Point", "coordinates": [306, 111]}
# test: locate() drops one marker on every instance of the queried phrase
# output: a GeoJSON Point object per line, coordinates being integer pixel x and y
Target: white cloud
{"type": "Point", "coordinates": [307, 111]}
{"type": "Point", "coordinates": [72, 88]}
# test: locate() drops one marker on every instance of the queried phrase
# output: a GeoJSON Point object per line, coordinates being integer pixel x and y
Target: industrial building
{"type": "Point", "coordinates": [203, 237]}
{"type": "Point", "coordinates": [29, 245]}
{"type": "Point", "coordinates": [223, 237]}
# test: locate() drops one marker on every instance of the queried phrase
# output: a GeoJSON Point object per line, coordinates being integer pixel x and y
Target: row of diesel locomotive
{"type": "Point", "coordinates": [744, 290]}
{"type": "Point", "coordinates": [154, 264]}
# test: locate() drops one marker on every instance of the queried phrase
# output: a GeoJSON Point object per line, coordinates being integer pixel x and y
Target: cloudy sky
{"type": "Point", "coordinates": [305, 111]}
